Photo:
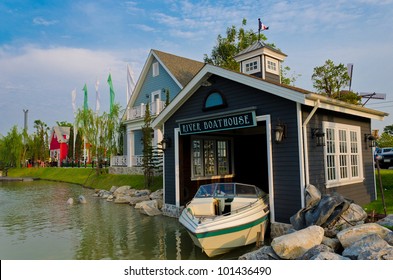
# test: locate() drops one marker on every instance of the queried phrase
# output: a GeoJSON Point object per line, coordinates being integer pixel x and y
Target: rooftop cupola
{"type": "Point", "coordinates": [261, 60]}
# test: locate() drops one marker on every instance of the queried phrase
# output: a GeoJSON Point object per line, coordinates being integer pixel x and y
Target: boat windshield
{"type": "Point", "coordinates": [228, 190]}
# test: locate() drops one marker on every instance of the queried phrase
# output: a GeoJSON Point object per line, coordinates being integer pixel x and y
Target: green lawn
{"type": "Point", "coordinates": [387, 183]}
{"type": "Point", "coordinates": [85, 176]}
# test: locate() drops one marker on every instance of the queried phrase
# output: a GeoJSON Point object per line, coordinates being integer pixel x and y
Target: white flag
{"type": "Point", "coordinates": [130, 82]}
{"type": "Point", "coordinates": [97, 96]}
{"type": "Point", "coordinates": [73, 97]}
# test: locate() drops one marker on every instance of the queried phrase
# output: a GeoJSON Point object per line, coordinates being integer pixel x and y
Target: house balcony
{"type": "Point", "coordinates": [138, 112]}
{"type": "Point", "coordinates": [121, 161]}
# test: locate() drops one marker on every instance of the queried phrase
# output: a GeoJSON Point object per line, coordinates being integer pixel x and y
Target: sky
{"type": "Point", "coordinates": [49, 48]}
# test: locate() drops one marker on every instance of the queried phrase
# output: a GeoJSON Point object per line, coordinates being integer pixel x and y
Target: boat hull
{"type": "Point", "coordinates": [220, 234]}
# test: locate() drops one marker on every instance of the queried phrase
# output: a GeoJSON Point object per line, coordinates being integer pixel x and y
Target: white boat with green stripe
{"type": "Point", "coordinates": [224, 216]}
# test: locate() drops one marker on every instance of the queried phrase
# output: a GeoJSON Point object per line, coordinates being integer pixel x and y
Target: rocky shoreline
{"type": "Point", "coordinates": [330, 227]}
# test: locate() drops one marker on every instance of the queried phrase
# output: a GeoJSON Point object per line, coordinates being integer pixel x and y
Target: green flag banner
{"type": "Point", "coordinates": [112, 94]}
{"type": "Point", "coordinates": [85, 106]}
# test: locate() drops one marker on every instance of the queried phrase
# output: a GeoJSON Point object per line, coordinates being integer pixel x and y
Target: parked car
{"type": "Point", "coordinates": [384, 156]}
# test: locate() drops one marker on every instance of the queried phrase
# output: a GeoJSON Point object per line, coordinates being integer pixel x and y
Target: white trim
{"type": "Point", "coordinates": [302, 97]}
{"type": "Point", "coordinates": [269, 151]}
{"type": "Point", "coordinates": [274, 62]}
{"type": "Point", "coordinates": [252, 61]}
{"type": "Point", "coordinates": [155, 69]}
{"type": "Point", "coordinates": [349, 180]}
{"type": "Point", "coordinates": [302, 140]}
{"type": "Point", "coordinates": [176, 133]}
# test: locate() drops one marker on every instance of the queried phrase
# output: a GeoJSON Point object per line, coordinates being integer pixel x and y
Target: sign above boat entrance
{"type": "Point", "coordinates": [226, 122]}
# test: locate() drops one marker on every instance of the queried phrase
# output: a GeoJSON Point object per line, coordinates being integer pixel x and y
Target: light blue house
{"type": "Point", "coordinates": [163, 76]}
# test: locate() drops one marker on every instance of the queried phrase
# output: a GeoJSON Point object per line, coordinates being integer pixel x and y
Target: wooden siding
{"type": "Point", "coordinates": [360, 193]}
{"type": "Point", "coordinates": [272, 77]}
{"type": "Point", "coordinates": [152, 84]}
{"type": "Point", "coordinates": [286, 174]}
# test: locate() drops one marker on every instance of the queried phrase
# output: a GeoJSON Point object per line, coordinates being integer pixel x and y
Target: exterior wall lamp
{"type": "Point", "coordinates": [165, 143]}
{"type": "Point", "coordinates": [370, 139]}
{"type": "Point", "coordinates": [279, 132]}
{"type": "Point", "coordinates": [319, 136]}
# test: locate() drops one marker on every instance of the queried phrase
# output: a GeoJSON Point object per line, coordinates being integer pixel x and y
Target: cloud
{"type": "Point", "coordinates": [42, 21]}
{"type": "Point", "coordinates": [41, 80]}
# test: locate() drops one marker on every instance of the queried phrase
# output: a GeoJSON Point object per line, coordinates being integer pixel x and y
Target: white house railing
{"type": "Point", "coordinates": [122, 160]}
{"type": "Point", "coordinates": [139, 111]}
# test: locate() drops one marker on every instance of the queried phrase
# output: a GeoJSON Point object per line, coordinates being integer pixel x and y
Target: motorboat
{"type": "Point", "coordinates": [224, 216]}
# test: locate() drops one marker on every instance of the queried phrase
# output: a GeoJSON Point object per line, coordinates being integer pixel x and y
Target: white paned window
{"type": "Point", "coordinates": [251, 66]}
{"type": "Point", "coordinates": [342, 154]}
{"type": "Point", "coordinates": [272, 65]}
{"type": "Point", "coordinates": [156, 71]}
{"type": "Point", "coordinates": [210, 157]}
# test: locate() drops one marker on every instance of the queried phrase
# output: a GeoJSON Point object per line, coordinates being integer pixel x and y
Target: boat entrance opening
{"type": "Point", "coordinates": [247, 155]}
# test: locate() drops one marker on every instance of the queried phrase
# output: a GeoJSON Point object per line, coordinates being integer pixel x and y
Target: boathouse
{"type": "Point", "coordinates": [248, 127]}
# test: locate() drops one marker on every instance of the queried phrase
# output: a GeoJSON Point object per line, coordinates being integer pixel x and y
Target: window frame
{"type": "Point", "coordinates": [255, 69]}
{"type": "Point", "coordinates": [273, 61]}
{"type": "Point", "coordinates": [202, 159]}
{"type": "Point", "coordinates": [343, 154]}
{"type": "Point", "coordinates": [155, 69]}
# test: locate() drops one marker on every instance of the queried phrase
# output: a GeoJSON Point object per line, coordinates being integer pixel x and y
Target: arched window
{"type": "Point", "coordinates": [214, 100]}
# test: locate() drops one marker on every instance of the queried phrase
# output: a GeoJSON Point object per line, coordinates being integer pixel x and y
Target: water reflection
{"type": "Point", "coordinates": [37, 223]}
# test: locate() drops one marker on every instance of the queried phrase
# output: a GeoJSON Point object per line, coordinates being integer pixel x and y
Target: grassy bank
{"type": "Point", "coordinates": [85, 176]}
{"type": "Point", "coordinates": [88, 177]}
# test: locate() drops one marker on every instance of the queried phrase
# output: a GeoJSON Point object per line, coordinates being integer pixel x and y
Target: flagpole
{"type": "Point", "coordinates": [259, 29]}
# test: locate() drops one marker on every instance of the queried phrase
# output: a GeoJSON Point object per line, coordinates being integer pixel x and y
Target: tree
{"type": "Point", "coordinates": [12, 148]}
{"type": "Point", "coordinates": [329, 79]}
{"type": "Point", "coordinates": [385, 140]}
{"type": "Point", "coordinates": [227, 47]}
{"type": "Point", "coordinates": [147, 160]}
{"type": "Point", "coordinates": [40, 148]}
{"type": "Point", "coordinates": [235, 41]}
{"type": "Point", "coordinates": [100, 131]}
{"type": "Point", "coordinates": [388, 129]}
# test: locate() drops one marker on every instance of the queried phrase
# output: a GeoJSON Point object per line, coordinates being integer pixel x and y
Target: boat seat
{"type": "Point", "coordinates": [202, 207]}
{"type": "Point", "coordinates": [239, 202]}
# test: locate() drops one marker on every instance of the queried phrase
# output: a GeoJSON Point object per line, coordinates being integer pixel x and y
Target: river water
{"type": "Point", "coordinates": [36, 223]}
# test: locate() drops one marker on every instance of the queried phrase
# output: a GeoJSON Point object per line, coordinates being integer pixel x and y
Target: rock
{"type": "Point", "coordinates": [156, 203]}
{"type": "Point", "coordinates": [113, 189]}
{"type": "Point", "coordinates": [352, 216]}
{"type": "Point", "coordinates": [324, 213]}
{"type": "Point", "coordinates": [139, 193]}
{"type": "Point", "coordinates": [313, 196]}
{"type": "Point", "coordinates": [389, 238]}
{"type": "Point", "coordinates": [122, 199]}
{"type": "Point", "coordinates": [316, 250]}
{"type": "Point", "coordinates": [149, 208]}
{"type": "Point", "coordinates": [158, 194]}
{"type": "Point", "coordinates": [350, 235]}
{"type": "Point", "coordinates": [264, 253]}
{"type": "Point", "coordinates": [333, 243]}
{"type": "Point", "coordinates": [387, 221]}
{"type": "Point", "coordinates": [328, 256]}
{"type": "Point", "coordinates": [365, 247]}
{"type": "Point", "coordinates": [121, 190]}
{"type": "Point", "coordinates": [134, 200]}
{"type": "Point", "coordinates": [70, 201]}
{"type": "Point", "coordinates": [82, 199]}
{"type": "Point", "coordinates": [294, 245]}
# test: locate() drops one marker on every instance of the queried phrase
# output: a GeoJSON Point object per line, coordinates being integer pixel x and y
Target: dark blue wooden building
{"type": "Point", "coordinates": [248, 127]}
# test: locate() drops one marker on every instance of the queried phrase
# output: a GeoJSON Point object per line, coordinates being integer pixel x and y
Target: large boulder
{"type": "Point", "coordinates": [324, 213]}
{"type": "Point", "coordinates": [294, 245]}
{"type": "Point", "coordinates": [368, 247]}
{"type": "Point", "coordinates": [350, 235]}
{"type": "Point", "coordinates": [263, 253]}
